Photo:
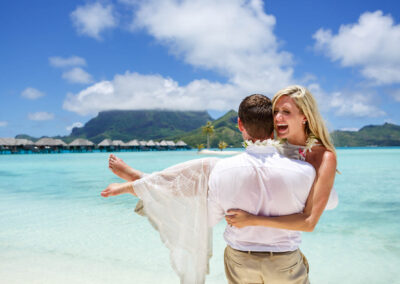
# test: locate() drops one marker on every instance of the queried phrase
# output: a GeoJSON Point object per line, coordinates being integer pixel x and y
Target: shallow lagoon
{"type": "Point", "coordinates": [55, 227]}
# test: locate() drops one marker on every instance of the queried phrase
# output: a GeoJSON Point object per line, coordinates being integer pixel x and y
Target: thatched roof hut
{"type": "Point", "coordinates": [15, 145]}
{"type": "Point", "coordinates": [15, 142]}
{"type": "Point", "coordinates": [24, 142]}
{"type": "Point", "coordinates": [133, 143]}
{"type": "Point", "coordinates": [50, 142]}
{"type": "Point", "coordinates": [143, 143]}
{"type": "Point", "coordinates": [118, 143]}
{"type": "Point", "coordinates": [181, 143]}
{"type": "Point", "coordinates": [105, 143]}
{"type": "Point", "coordinates": [163, 143]}
{"type": "Point", "coordinates": [7, 141]}
{"type": "Point", "coordinates": [81, 142]}
{"type": "Point", "coordinates": [170, 143]}
{"type": "Point", "coordinates": [150, 143]}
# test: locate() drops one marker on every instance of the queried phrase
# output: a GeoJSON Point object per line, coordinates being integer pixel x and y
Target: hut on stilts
{"type": "Point", "coordinates": [81, 145]}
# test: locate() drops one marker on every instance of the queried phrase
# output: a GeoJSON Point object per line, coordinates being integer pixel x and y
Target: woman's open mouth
{"type": "Point", "coordinates": [281, 128]}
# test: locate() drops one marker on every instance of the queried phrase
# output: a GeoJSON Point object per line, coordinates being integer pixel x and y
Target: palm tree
{"type": "Point", "coordinates": [199, 147]}
{"type": "Point", "coordinates": [222, 145]}
{"type": "Point", "coordinates": [208, 129]}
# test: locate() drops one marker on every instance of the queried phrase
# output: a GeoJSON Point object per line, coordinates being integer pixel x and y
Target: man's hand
{"type": "Point", "coordinates": [239, 218]}
{"type": "Point", "coordinates": [117, 189]}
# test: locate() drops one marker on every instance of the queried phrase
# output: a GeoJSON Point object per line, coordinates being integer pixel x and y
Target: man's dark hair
{"type": "Point", "coordinates": [255, 112]}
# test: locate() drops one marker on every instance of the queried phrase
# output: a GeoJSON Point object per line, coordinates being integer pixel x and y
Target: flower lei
{"type": "Point", "coordinates": [269, 142]}
{"type": "Point", "coordinates": [310, 143]}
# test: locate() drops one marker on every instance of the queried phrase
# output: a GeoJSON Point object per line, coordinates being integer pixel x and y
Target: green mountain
{"type": "Point", "coordinates": [26, 136]}
{"type": "Point", "coordinates": [372, 135]}
{"type": "Point", "coordinates": [225, 129]}
{"type": "Point", "coordinates": [140, 124]}
{"type": "Point", "coordinates": [186, 126]}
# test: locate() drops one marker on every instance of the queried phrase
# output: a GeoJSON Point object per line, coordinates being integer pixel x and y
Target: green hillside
{"type": "Point", "coordinates": [371, 135]}
{"type": "Point", "coordinates": [140, 124]}
{"type": "Point", "coordinates": [186, 126]}
{"type": "Point", "coordinates": [225, 130]}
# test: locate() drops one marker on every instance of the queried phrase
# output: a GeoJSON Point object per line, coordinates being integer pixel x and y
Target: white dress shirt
{"type": "Point", "coordinates": [262, 182]}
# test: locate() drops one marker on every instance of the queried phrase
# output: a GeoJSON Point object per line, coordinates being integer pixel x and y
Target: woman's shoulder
{"type": "Point", "coordinates": [323, 152]}
{"type": "Point", "coordinates": [320, 155]}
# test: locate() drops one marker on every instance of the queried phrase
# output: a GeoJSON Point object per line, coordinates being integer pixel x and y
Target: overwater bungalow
{"type": "Point", "coordinates": [143, 145]}
{"type": "Point", "coordinates": [181, 145]}
{"type": "Point", "coordinates": [49, 145]}
{"type": "Point", "coordinates": [24, 145]}
{"type": "Point", "coordinates": [81, 145]}
{"type": "Point", "coordinates": [158, 147]}
{"type": "Point", "coordinates": [133, 145]}
{"type": "Point", "coordinates": [118, 145]}
{"type": "Point", "coordinates": [7, 144]}
{"type": "Point", "coordinates": [151, 145]}
{"type": "Point", "coordinates": [106, 145]}
{"type": "Point", "coordinates": [171, 145]}
{"type": "Point", "coordinates": [163, 145]}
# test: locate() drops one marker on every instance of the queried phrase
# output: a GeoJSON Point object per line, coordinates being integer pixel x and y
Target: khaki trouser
{"type": "Point", "coordinates": [265, 267]}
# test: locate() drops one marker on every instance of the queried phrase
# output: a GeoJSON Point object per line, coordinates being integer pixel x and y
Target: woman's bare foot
{"type": "Point", "coordinates": [117, 189]}
{"type": "Point", "coordinates": [121, 169]}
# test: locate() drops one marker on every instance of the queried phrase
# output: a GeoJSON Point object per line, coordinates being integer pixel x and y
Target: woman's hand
{"type": "Point", "coordinates": [239, 218]}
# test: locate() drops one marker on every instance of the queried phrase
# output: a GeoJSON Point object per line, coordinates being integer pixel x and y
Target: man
{"type": "Point", "coordinates": [259, 181]}
{"type": "Point", "coordinates": [262, 182]}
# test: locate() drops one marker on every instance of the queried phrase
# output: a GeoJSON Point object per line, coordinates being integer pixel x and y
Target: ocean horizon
{"type": "Point", "coordinates": [56, 228]}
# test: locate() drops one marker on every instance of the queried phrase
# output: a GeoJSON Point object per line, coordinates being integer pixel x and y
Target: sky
{"type": "Point", "coordinates": [62, 62]}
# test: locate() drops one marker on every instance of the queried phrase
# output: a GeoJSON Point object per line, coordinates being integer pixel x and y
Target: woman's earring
{"type": "Point", "coordinates": [305, 121]}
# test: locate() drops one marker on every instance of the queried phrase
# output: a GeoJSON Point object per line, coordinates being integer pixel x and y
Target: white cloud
{"type": "Point", "coordinates": [347, 103]}
{"type": "Point", "coordinates": [3, 123]}
{"type": "Point", "coordinates": [93, 19]}
{"type": "Point", "coordinates": [58, 61]}
{"type": "Point", "coordinates": [75, 124]}
{"type": "Point", "coordinates": [136, 91]}
{"type": "Point", "coordinates": [391, 121]}
{"type": "Point", "coordinates": [32, 93]}
{"type": "Point", "coordinates": [240, 45]}
{"type": "Point", "coordinates": [355, 105]}
{"type": "Point", "coordinates": [233, 37]}
{"type": "Point", "coordinates": [77, 75]}
{"type": "Point", "coordinates": [203, 34]}
{"type": "Point", "coordinates": [396, 95]}
{"type": "Point", "coordinates": [372, 44]}
{"type": "Point", "coordinates": [41, 116]}
{"type": "Point", "coordinates": [350, 129]}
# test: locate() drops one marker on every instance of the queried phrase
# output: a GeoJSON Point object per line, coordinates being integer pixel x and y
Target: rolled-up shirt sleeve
{"type": "Point", "coordinates": [215, 212]}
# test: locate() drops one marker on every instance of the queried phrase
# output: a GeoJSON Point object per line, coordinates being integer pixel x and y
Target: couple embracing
{"type": "Point", "coordinates": [268, 194]}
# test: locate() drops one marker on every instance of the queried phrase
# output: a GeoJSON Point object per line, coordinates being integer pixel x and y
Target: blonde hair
{"type": "Point", "coordinates": [305, 101]}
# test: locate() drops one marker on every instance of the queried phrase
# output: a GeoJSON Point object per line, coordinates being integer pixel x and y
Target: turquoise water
{"type": "Point", "coordinates": [56, 228]}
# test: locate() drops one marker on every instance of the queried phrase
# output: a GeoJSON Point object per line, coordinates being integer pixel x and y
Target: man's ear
{"type": "Point", "coordinates": [240, 125]}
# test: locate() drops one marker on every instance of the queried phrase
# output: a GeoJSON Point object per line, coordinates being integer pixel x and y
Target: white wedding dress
{"type": "Point", "coordinates": [175, 202]}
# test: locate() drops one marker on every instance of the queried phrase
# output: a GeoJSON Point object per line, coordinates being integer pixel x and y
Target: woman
{"type": "Point", "coordinates": [175, 198]}
{"type": "Point", "coordinates": [298, 121]}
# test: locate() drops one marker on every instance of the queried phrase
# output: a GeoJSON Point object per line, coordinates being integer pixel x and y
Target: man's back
{"type": "Point", "coordinates": [262, 182]}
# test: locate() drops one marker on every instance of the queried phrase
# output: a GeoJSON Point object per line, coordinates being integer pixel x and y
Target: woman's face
{"type": "Point", "coordinates": [289, 120]}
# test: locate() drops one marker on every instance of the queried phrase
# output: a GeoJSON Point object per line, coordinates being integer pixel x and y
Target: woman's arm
{"type": "Point", "coordinates": [315, 205]}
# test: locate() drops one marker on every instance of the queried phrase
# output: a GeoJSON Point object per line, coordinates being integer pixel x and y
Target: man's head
{"type": "Point", "coordinates": [255, 117]}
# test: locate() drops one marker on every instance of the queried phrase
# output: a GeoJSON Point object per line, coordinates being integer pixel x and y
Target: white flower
{"type": "Point", "coordinates": [311, 142]}
{"type": "Point", "coordinates": [269, 142]}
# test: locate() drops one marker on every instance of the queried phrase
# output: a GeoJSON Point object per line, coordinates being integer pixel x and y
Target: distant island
{"type": "Point", "coordinates": [187, 126]}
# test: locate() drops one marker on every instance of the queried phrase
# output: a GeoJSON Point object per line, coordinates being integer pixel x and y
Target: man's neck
{"type": "Point", "coordinates": [258, 139]}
